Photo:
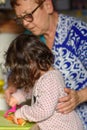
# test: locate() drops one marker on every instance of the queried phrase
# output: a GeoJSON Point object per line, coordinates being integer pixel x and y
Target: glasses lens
{"type": "Point", "coordinates": [28, 17]}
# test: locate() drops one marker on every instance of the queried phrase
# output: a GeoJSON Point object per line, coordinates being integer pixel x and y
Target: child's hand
{"type": "Point", "coordinates": [12, 101]}
{"type": "Point", "coordinates": [8, 92]}
{"type": "Point", "coordinates": [19, 121]}
{"type": "Point", "coordinates": [15, 120]}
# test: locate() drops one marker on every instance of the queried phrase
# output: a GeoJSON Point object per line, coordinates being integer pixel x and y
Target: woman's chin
{"type": "Point", "coordinates": [36, 33]}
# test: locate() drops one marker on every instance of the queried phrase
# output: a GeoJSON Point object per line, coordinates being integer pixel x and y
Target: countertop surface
{"type": "Point", "coordinates": [8, 125]}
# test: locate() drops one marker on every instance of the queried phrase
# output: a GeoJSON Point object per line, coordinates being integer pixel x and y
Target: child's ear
{"type": "Point", "coordinates": [48, 6]}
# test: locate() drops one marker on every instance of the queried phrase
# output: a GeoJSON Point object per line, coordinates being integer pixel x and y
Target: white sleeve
{"type": "Point", "coordinates": [46, 101]}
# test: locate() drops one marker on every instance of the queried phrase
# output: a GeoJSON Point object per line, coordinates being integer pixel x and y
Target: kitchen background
{"type": "Point", "coordinates": [9, 29]}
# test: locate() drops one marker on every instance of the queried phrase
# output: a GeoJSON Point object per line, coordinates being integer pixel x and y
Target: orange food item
{"type": "Point", "coordinates": [21, 121]}
{"type": "Point", "coordinates": [10, 117]}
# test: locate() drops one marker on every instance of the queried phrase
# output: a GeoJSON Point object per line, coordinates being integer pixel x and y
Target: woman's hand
{"type": "Point", "coordinates": [70, 102]}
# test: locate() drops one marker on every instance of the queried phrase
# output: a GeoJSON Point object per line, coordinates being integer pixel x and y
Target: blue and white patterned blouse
{"type": "Point", "coordinates": [70, 51]}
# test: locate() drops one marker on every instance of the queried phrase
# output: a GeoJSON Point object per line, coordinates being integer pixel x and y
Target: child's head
{"type": "Point", "coordinates": [27, 57]}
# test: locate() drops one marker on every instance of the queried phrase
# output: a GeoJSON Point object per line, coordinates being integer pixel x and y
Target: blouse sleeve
{"type": "Point", "coordinates": [46, 101]}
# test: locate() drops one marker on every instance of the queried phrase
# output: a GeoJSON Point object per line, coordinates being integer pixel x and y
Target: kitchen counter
{"type": "Point", "coordinates": [8, 125]}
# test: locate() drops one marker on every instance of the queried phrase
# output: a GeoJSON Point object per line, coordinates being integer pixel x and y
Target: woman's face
{"type": "Point", "coordinates": [40, 23]}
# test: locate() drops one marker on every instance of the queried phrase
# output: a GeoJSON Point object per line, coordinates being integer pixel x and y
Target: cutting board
{"type": "Point", "coordinates": [8, 125]}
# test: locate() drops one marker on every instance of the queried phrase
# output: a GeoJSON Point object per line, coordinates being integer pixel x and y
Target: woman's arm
{"type": "Point", "coordinates": [72, 100]}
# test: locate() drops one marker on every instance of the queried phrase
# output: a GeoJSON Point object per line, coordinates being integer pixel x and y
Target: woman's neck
{"type": "Point", "coordinates": [50, 34]}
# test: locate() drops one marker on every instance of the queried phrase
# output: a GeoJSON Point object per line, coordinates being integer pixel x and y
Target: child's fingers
{"type": "Point", "coordinates": [19, 121]}
{"type": "Point", "coordinates": [15, 120]}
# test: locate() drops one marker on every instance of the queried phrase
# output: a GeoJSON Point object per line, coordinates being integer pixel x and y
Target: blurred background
{"type": "Point", "coordinates": [8, 31]}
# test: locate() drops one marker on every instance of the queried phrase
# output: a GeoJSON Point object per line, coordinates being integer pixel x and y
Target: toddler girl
{"type": "Point", "coordinates": [31, 67]}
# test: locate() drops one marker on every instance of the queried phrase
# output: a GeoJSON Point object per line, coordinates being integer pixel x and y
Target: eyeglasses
{"type": "Point", "coordinates": [27, 17]}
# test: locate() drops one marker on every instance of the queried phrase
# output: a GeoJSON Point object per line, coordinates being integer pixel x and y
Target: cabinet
{"type": "Point", "coordinates": [61, 4]}
{"type": "Point", "coordinates": [77, 8]}
{"type": "Point", "coordinates": [6, 5]}
{"type": "Point", "coordinates": [79, 4]}
{"type": "Point", "coordinates": [70, 4]}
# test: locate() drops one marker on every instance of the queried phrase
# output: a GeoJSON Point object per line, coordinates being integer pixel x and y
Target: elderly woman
{"type": "Point", "coordinates": [67, 38]}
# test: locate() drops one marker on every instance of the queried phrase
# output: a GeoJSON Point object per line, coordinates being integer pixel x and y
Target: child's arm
{"type": "Point", "coordinates": [47, 95]}
{"type": "Point", "coordinates": [8, 93]}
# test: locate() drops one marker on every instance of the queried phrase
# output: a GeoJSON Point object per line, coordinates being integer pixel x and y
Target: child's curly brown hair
{"type": "Point", "coordinates": [27, 56]}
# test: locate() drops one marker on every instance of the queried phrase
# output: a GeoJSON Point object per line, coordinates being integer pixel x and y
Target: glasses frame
{"type": "Point", "coordinates": [26, 17]}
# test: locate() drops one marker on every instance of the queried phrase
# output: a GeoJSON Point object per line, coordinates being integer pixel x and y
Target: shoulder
{"type": "Point", "coordinates": [52, 76]}
{"type": "Point", "coordinates": [69, 26]}
{"type": "Point", "coordinates": [69, 20]}
{"type": "Point", "coordinates": [51, 73]}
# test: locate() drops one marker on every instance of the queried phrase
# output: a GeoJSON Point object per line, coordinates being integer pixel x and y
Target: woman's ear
{"type": "Point", "coordinates": [48, 6]}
